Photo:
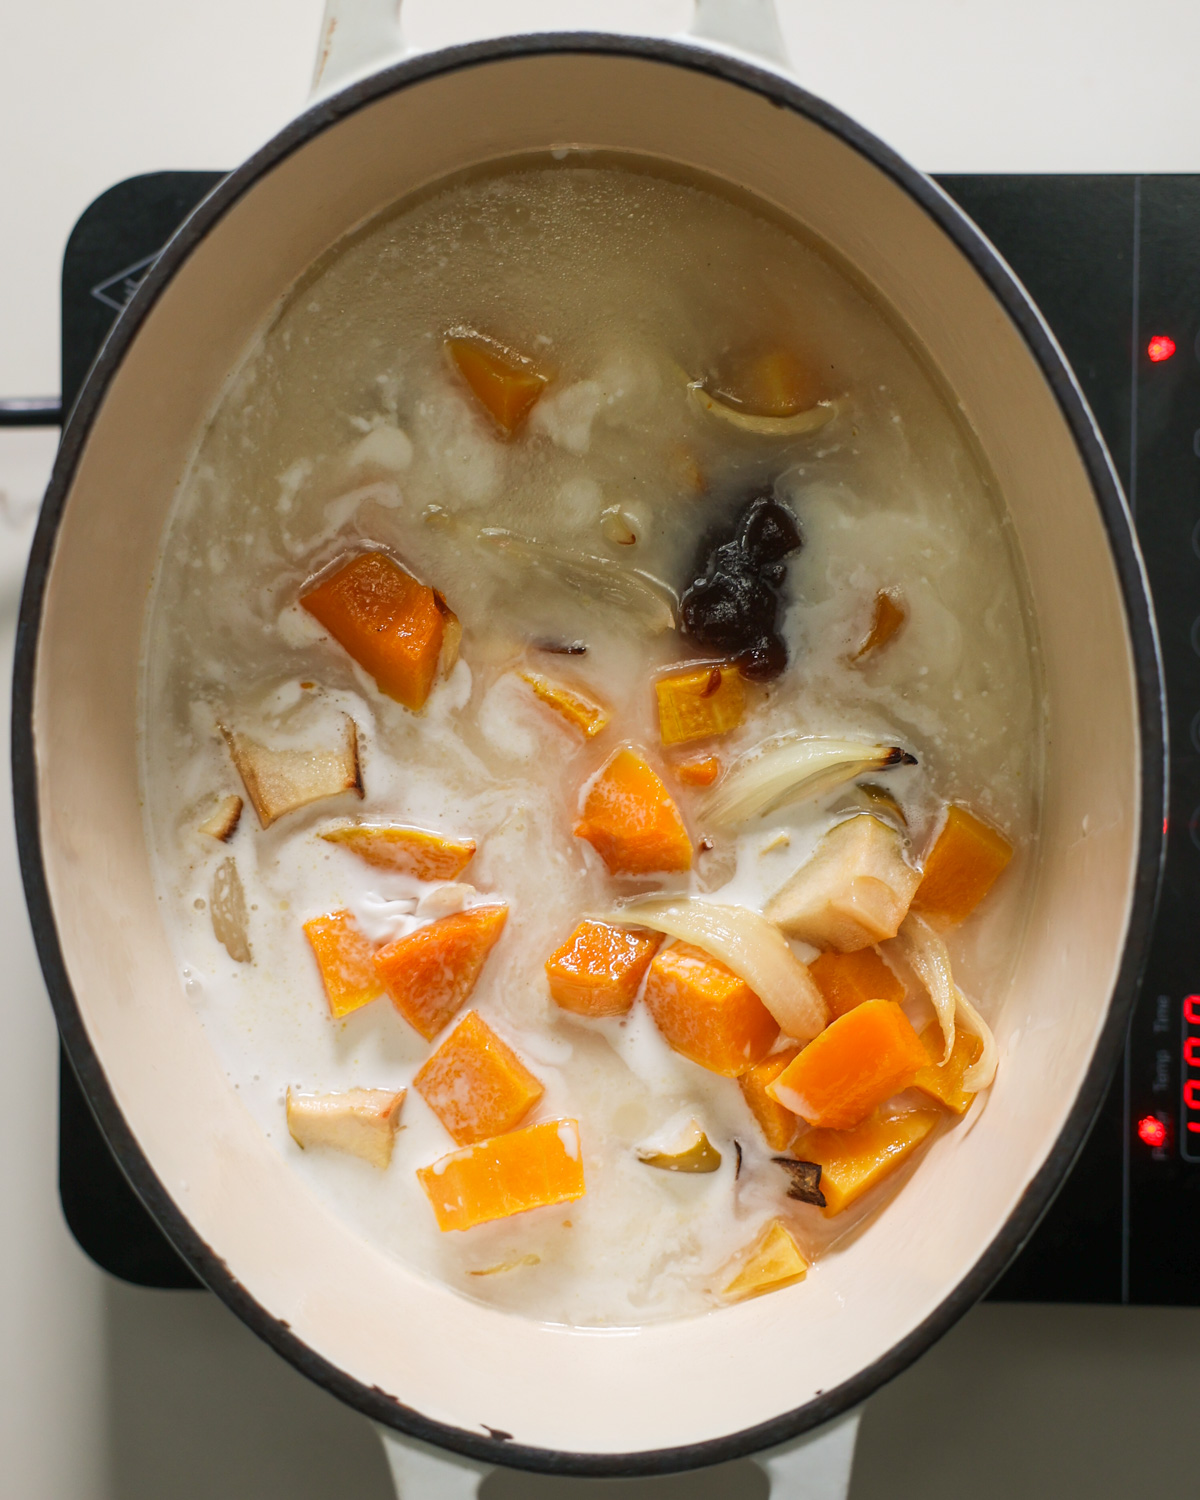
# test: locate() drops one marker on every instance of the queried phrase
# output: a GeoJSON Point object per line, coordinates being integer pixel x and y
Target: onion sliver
{"type": "Point", "coordinates": [983, 1070]}
{"type": "Point", "coordinates": [793, 769]}
{"type": "Point", "coordinates": [596, 578]}
{"type": "Point", "coordinates": [930, 960]}
{"type": "Point", "coordinates": [748, 944]}
{"type": "Point", "coordinates": [810, 420]}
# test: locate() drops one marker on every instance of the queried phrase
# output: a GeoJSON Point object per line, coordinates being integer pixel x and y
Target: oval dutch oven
{"type": "Point", "coordinates": [459, 1386]}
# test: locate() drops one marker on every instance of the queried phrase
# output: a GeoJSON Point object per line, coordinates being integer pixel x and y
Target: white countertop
{"type": "Point", "coordinates": [108, 1392]}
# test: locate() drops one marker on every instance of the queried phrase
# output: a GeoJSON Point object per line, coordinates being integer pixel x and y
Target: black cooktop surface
{"type": "Point", "coordinates": [1114, 264]}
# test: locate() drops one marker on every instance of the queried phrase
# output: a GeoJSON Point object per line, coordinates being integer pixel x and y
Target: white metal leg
{"type": "Point", "coordinates": [816, 1466]}
{"type": "Point", "coordinates": [420, 1472]}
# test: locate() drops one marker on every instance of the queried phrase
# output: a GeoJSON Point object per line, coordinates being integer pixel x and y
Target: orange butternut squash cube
{"type": "Point", "coordinates": [778, 1125]}
{"type": "Point", "coordinates": [706, 1012]}
{"type": "Point", "coordinates": [699, 702]}
{"type": "Point", "coordinates": [580, 711]}
{"type": "Point", "coordinates": [510, 1174]}
{"type": "Point", "coordinates": [961, 868]}
{"type": "Point", "coordinates": [773, 1262]}
{"type": "Point", "coordinates": [858, 1061]}
{"type": "Point", "coordinates": [345, 957]}
{"type": "Point", "coordinates": [405, 851]}
{"type": "Point", "coordinates": [597, 971]}
{"type": "Point", "coordinates": [853, 1161]}
{"type": "Point", "coordinates": [388, 622]}
{"type": "Point", "coordinates": [476, 1084]}
{"type": "Point", "coordinates": [505, 384]}
{"type": "Point", "coordinates": [698, 770]}
{"type": "Point", "coordinates": [631, 820]}
{"type": "Point", "coordinates": [847, 979]}
{"type": "Point", "coordinates": [430, 973]}
{"type": "Point", "coordinates": [943, 1080]}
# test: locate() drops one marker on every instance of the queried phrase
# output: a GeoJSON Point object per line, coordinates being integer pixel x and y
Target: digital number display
{"type": "Point", "coordinates": [1189, 1136]}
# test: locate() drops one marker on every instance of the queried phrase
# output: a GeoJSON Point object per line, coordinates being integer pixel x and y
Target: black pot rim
{"type": "Point", "coordinates": [205, 1260]}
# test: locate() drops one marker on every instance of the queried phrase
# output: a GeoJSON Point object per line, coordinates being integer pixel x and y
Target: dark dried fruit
{"type": "Point", "coordinates": [805, 1185]}
{"type": "Point", "coordinates": [731, 605]}
{"type": "Point", "coordinates": [765, 661]}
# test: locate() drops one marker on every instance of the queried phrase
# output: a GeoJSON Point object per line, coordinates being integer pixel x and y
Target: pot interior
{"type": "Point", "coordinates": [581, 1391]}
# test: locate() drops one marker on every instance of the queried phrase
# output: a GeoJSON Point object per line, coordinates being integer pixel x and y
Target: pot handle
{"type": "Point", "coordinates": [359, 37]}
{"type": "Point", "coordinates": [420, 1472]}
{"type": "Point", "coordinates": [813, 1467]}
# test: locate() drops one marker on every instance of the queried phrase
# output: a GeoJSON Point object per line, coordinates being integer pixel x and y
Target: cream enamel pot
{"type": "Point", "coordinates": [414, 1356]}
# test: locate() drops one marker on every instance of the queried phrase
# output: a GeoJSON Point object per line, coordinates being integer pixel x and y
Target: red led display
{"type": "Point", "coordinates": [1189, 1142]}
{"type": "Point", "coordinates": [1152, 1130]}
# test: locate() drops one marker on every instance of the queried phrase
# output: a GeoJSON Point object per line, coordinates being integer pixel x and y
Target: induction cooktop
{"type": "Point", "coordinates": [1114, 264]}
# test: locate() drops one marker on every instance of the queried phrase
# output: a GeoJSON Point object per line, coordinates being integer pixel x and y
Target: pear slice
{"type": "Point", "coordinates": [853, 892]}
{"type": "Point", "coordinates": [280, 781]}
{"type": "Point", "coordinates": [227, 909]}
{"type": "Point", "coordinates": [773, 1262]}
{"type": "Point", "coordinates": [687, 1149]}
{"type": "Point", "coordinates": [362, 1122]}
{"type": "Point", "coordinates": [224, 821]}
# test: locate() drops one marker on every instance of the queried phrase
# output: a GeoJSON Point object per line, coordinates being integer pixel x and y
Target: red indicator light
{"type": "Point", "coordinates": [1160, 347]}
{"type": "Point", "coordinates": [1152, 1131]}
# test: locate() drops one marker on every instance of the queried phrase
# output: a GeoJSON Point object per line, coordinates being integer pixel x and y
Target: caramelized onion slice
{"type": "Point", "coordinates": [748, 944]}
{"type": "Point", "coordinates": [596, 578]}
{"type": "Point", "coordinates": [930, 959]}
{"type": "Point", "coordinates": [811, 420]}
{"type": "Point", "coordinates": [794, 769]}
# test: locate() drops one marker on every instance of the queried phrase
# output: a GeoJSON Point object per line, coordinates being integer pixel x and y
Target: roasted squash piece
{"type": "Point", "coordinates": [699, 702]}
{"type": "Point", "coordinates": [772, 1262]}
{"type": "Point", "coordinates": [476, 1084]}
{"type": "Point", "coordinates": [361, 1122]}
{"type": "Point", "coordinates": [282, 781]}
{"type": "Point", "coordinates": [961, 868]}
{"type": "Point", "coordinates": [580, 711]}
{"type": "Point", "coordinates": [510, 1174]}
{"type": "Point", "coordinates": [698, 770]}
{"type": "Point", "coordinates": [505, 384]}
{"type": "Point", "coordinates": [890, 614]}
{"type": "Point", "coordinates": [631, 820]}
{"type": "Point", "coordinates": [597, 971]}
{"type": "Point", "coordinates": [853, 892]}
{"type": "Point", "coordinates": [847, 979]}
{"type": "Point", "coordinates": [406, 851]}
{"type": "Point", "coordinates": [345, 957]}
{"type": "Point", "coordinates": [706, 1012]}
{"type": "Point", "coordinates": [778, 1125]}
{"type": "Point", "coordinates": [430, 973]}
{"type": "Point", "coordinates": [852, 1161]}
{"type": "Point", "coordinates": [391, 624]}
{"type": "Point", "coordinates": [852, 1067]}
{"type": "Point", "coordinates": [943, 1081]}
